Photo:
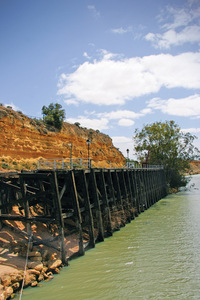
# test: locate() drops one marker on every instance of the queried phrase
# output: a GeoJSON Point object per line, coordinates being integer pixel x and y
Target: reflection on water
{"type": "Point", "coordinates": [157, 256]}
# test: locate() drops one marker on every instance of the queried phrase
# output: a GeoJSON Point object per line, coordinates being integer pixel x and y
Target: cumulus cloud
{"type": "Point", "coordinates": [113, 80]}
{"type": "Point", "coordinates": [104, 120]}
{"type": "Point", "coordinates": [186, 107]}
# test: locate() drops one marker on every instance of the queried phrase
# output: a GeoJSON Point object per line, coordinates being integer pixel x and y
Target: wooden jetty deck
{"type": "Point", "coordinates": [84, 200]}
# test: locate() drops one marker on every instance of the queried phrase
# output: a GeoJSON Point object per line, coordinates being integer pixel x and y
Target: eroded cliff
{"type": "Point", "coordinates": [24, 140]}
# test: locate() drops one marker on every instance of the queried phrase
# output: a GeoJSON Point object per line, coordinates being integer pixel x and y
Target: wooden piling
{"type": "Point", "coordinates": [88, 209]}
{"type": "Point", "coordinates": [100, 236]}
{"type": "Point", "coordinates": [58, 214]}
{"type": "Point", "coordinates": [25, 203]}
{"type": "Point", "coordinates": [102, 188]}
{"type": "Point", "coordinates": [77, 211]}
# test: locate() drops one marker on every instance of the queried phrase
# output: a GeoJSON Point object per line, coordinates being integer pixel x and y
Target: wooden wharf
{"type": "Point", "coordinates": [84, 200]}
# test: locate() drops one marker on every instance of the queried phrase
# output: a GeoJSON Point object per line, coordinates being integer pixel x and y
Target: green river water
{"type": "Point", "coordinates": [156, 256]}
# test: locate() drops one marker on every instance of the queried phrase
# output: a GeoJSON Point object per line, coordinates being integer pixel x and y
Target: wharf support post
{"type": "Point", "coordinates": [58, 207]}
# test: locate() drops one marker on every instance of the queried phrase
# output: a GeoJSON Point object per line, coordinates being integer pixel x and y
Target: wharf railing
{"type": "Point", "coordinates": [85, 163]}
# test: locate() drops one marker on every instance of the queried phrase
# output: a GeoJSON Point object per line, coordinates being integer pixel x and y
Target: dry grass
{"type": "Point", "coordinates": [7, 163]}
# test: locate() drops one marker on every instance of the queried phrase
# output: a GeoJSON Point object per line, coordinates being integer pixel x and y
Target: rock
{"type": "Point", "coordinates": [2, 292]}
{"type": "Point", "coordinates": [47, 275]}
{"type": "Point", "coordinates": [16, 249]}
{"type": "Point", "coordinates": [29, 279]}
{"type": "Point", "coordinates": [56, 271]}
{"type": "Point", "coordinates": [15, 286]}
{"type": "Point", "coordinates": [44, 270]}
{"type": "Point", "coordinates": [35, 283]}
{"type": "Point", "coordinates": [17, 277]}
{"type": "Point", "coordinates": [35, 265]}
{"type": "Point", "coordinates": [35, 249]}
{"type": "Point", "coordinates": [56, 263]}
{"type": "Point", "coordinates": [9, 291]}
{"type": "Point", "coordinates": [6, 280]}
{"type": "Point", "coordinates": [40, 278]}
{"type": "Point", "coordinates": [2, 295]}
{"type": "Point", "coordinates": [33, 271]}
{"type": "Point", "coordinates": [46, 255]}
{"type": "Point", "coordinates": [49, 278]}
{"type": "Point", "coordinates": [36, 258]}
{"type": "Point", "coordinates": [34, 253]}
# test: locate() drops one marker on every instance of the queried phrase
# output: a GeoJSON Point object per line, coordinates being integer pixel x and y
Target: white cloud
{"type": "Point", "coordinates": [113, 81]}
{"type": "Point", "coordinates": [126, 122]}
{"type": "Point", "coordinates": [186, 107]}
{"type": "Point", "coordinates": [180, 17]}
{"type": "Point", "coordinates": [86, 55]}
{"type": "Point", "coordinates": [95, 124]}
{"type": "Point", "coordinates": [121, 30]}
{"type": "Point", "coordinates": [124, 143]}
{"type": "Point", "coordinates": [119, 114]}
{"type": "Point", "coordinates": [94, 11]}
{"type": "Point", "coordinates": [183, 27]}
{"type": "Point", "coordinates": [101, 121]}
{"type": "Point", "coordinates": [121, 139]}
{"type": "Point", "coordinates": [71, 102]}
{"type": "Point", "coordinates": [191, 130]}
{"type": "Point", "coordinates": [146, 111]}
{"type": "Point", "coordinates": [190, 34]}
{"type": "Point", "coordinates": [14, 107]}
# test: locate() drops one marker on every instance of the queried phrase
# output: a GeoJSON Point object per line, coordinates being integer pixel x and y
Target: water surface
{"type": "Point", "coordinates": [156, 256]}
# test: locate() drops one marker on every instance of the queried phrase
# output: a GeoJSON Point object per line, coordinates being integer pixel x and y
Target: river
{"type": "Point", "coordinates": [156, 256]}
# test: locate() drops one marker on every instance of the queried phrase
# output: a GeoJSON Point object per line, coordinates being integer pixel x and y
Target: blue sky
{"type": "Point", "coordinates": [113, 65]}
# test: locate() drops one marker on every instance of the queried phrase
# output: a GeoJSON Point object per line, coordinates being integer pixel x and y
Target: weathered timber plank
{"type": "Point", "coordinates": [27, 219]}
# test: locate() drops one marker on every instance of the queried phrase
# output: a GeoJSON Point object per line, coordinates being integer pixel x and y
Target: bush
{"type": "Point", "coordinates": [53, 115]}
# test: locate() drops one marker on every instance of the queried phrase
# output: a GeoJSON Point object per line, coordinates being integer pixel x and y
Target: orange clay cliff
{"type": "Point", "coordinates": [24, 140]}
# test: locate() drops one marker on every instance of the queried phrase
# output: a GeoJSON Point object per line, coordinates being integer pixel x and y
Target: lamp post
{"type": "Point", "coordinates": [88, 143]}
{"type": "Point", "coordinates": [127, 150]}
{"type": "Point", "coordinates": [71, 164]}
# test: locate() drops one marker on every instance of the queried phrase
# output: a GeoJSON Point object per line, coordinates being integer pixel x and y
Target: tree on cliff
{"type": "Point", "coordinates": [53, 115]}
{"type": "Point", "coordinates": [165, 144]}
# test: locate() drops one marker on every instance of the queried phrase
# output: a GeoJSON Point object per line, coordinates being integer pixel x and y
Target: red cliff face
{"type": "Point", "coordinates": [28, 139]}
